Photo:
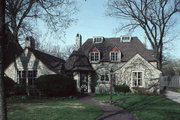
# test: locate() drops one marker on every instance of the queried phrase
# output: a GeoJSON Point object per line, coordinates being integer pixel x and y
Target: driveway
{"type": "Point", "coordinates": [175, 96]}
{"type": "Point", "coordinates": [110, 112]}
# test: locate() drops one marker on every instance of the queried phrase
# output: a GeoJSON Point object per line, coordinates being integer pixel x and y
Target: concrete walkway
{"type": "Point", "coordinates": [110, 112]}
{"type": "Point", "coordinates": [175, 96]}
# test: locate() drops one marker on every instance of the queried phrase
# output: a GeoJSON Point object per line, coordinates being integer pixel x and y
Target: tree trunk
{"type": "Point", "coordinates": [3, 113]}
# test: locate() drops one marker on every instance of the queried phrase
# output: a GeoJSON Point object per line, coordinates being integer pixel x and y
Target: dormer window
{"type": "Point", "coordinates": [125, 38]}
{"type": "Point", "coordinates": [94, 55]}
{"type": "Point", "coordinates": [115, 55]}
{"type": "Point", "coordinates": [98, 39]}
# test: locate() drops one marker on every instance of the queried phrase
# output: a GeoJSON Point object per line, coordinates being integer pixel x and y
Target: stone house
{"type": "Point", "coordinates": [30, 63]}
{"type": "Point", "coordinates": [124, 60]}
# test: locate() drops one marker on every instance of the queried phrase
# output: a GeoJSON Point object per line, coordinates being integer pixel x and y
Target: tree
{"type": "Point", "coordinates": [21, 14]}
{"type": "Point", "coordinates": [155, 17]}
{"type": "Point", "coordinates": [3, 115]}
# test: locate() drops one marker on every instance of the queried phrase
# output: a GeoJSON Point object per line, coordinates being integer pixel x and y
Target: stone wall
{"type": "Point", "coordinates": [123, 74]}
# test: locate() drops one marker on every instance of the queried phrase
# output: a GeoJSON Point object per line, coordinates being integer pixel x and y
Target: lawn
{"type": "Point", "coordinates": [146, 107]}
{"type": "Point", "coordinates": [52, 109]}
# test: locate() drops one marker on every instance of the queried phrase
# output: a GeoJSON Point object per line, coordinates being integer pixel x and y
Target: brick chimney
{"type": "Point", "coordinates": [30, 42]}
{"type": "Point", "coordinates": [78, 41]}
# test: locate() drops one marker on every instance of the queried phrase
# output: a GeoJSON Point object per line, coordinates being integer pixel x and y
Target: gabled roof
{"type": "Point", "coordinates": [12, 49]}
{"type": "Point", "coordinates": [78, 62]}
{"type": "Point", "coordinates": [128, 49]}
{"type": "Point", "coordinates": [53, 63]}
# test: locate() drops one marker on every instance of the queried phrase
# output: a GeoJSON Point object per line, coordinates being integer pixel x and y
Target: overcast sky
{"type": "Point", "coordinates": [92, 21]}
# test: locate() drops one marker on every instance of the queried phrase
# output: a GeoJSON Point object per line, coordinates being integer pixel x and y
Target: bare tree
{"type": "Point", "coordinates": [21, 14]}
{"type": "Point", "coordinates": [155, 17]}
{"type": "Point", "coordinates": [3, 115]}
{"type": "Point", "coordinates": [55, 50]}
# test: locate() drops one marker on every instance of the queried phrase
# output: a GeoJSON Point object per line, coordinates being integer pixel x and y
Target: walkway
{"type": "Point", "coordinates": [175, 96]}
{"type": "Point", "coordinates": [110, 112]}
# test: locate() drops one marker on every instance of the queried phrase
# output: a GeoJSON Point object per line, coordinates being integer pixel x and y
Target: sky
{"type": "Point", "coordinates": [92, 21]}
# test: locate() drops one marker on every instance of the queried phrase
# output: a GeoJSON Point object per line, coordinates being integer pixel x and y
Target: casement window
{"type": "Point", "coordinates": [137, 79]}
{"type": "Point", "coordinates": [94, 56]}
{"type": "Point", "coordinates": [115, 56]}
{"type": "Point", "coordinates": [105, 78]}
{"type": "Point", "coordinates": [98, 39]}
{"type": "Point", "coordinates": [29, 75]}
{"type": "Point", "coordinates": [21, 77]}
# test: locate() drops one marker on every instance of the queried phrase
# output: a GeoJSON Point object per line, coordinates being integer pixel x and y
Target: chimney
{"type": "Point", "coordinates": [145, 38]}
{"type": "Point", "coordinates": [78, 41]}
{"type": "Point", "coordinates": [30, 42]}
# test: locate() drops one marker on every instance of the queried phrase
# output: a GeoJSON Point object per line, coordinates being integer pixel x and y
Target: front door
{"type": "Point", "coordinates": [84, 83]}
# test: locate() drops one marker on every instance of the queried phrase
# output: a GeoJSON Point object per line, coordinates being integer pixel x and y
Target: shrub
{"type": "Point", "coordinates": [56, 85]}
{"type": "Point", "coordinates": [122, 88]}
{"type": "Point", "coordinates": [9, 86]}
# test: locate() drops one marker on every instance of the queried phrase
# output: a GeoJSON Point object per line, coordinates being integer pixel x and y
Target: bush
{"type": "Point", "coordinates": [9, 86]}
{"type": "Point", "coordinates": [122, 88]}
{"type": "Point", "coordinates": [56, 85]}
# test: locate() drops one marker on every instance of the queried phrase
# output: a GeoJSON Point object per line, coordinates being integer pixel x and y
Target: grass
{"type": "Point", "coordinates": [146, 107]}
{"type": "Point", "coordinates": [52, 109]}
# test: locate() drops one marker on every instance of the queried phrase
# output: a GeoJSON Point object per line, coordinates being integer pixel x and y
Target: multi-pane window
{"type": "Point", "coordinates": [98, 39]}
{"type": "Point", "coordinates": [137, 79]}
{"type": "Point", "coordinates": [21, 77]}
{"type": "Point", "coordinates": [115, 56]}
{"type": "Point", "coordinates": [126, 38]}
{"type": "Point", "coordinates": [30, 75]}
{"type": "Point", "coordinates": [105, 78]}
{"type": "Point", "coordinates": [94, 56]}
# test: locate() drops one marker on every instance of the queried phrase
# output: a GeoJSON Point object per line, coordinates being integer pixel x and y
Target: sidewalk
{"type": "Point", "coordinates": [175, 96]}
{"type": "Point", "coordinates": [110, 112]}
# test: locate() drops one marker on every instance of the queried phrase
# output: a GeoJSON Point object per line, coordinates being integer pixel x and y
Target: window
{"type": "Point", "coordinates": [21, 77]}
{"type": "Point", "coordinates": [98, 39]}
{"type": "Point", "coordinates": [137, 79]}
{"type": "Point", "coordinates": [94, 56]}
{"type": "Point", "coordinates": [115, 56]}
{"type": "Point", "coordinates": [126, 38]}
{"type": "Point", "coordinates": [104, 78]}
{"type": "Point", "coordinates": [30, 75]}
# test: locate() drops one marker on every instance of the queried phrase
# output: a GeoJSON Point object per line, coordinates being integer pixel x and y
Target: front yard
{"type": "Point", "coordinates": [52, 109]}
{"type": "Point", "coordinates": [146, 107]}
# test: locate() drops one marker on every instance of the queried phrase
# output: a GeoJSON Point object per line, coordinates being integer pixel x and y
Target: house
{"type": "Point", "coordinates": [30, 63]}
{"type": "Point", "coordinates": [124, 60]}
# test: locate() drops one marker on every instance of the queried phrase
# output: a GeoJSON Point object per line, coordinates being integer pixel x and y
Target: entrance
{"type": "Point", "coordinates": [84, 82]}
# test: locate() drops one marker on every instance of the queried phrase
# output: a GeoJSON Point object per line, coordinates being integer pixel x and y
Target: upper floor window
{"type": "Point", "coordinates": [115, 55]}
{"type": "Point", "coordinates": [126, 38]}
{"type": "Point", "coordinates": [137, 78]}
{"type": "Point", "coordinates": [98, 39]}
{"type": "Point", "coordinates": [94, 56]}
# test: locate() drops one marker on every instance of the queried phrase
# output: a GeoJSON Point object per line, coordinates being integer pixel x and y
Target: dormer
{"type": "Point", "coordinates": [115, 55]}
{"type": "Point", "coordinates": [125, 38]}
{"type": "Point", "coordinates": [94, 55]}
{"type": "Point", "coordinates": [98, 39]}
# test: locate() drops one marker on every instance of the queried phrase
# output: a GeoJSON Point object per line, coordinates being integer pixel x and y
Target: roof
{"type": "Point", "coordinates": [53, 63]}
{"type": "Point", "coordinates": [128, 49]}
{"type": "Point", "coordinates": [12, 49]}
{"type": "Point", "coordinates": [78, 62]}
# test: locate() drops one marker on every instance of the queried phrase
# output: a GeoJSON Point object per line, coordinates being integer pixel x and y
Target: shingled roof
{"type": "Point", "coordinates": [53, 63]}
{"type": "Point", "coordinates": [12, 49]}
{"type": "Point", "coordinates": [128, 49]}
{"type": "Point", "coordinates": [78, 62]}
